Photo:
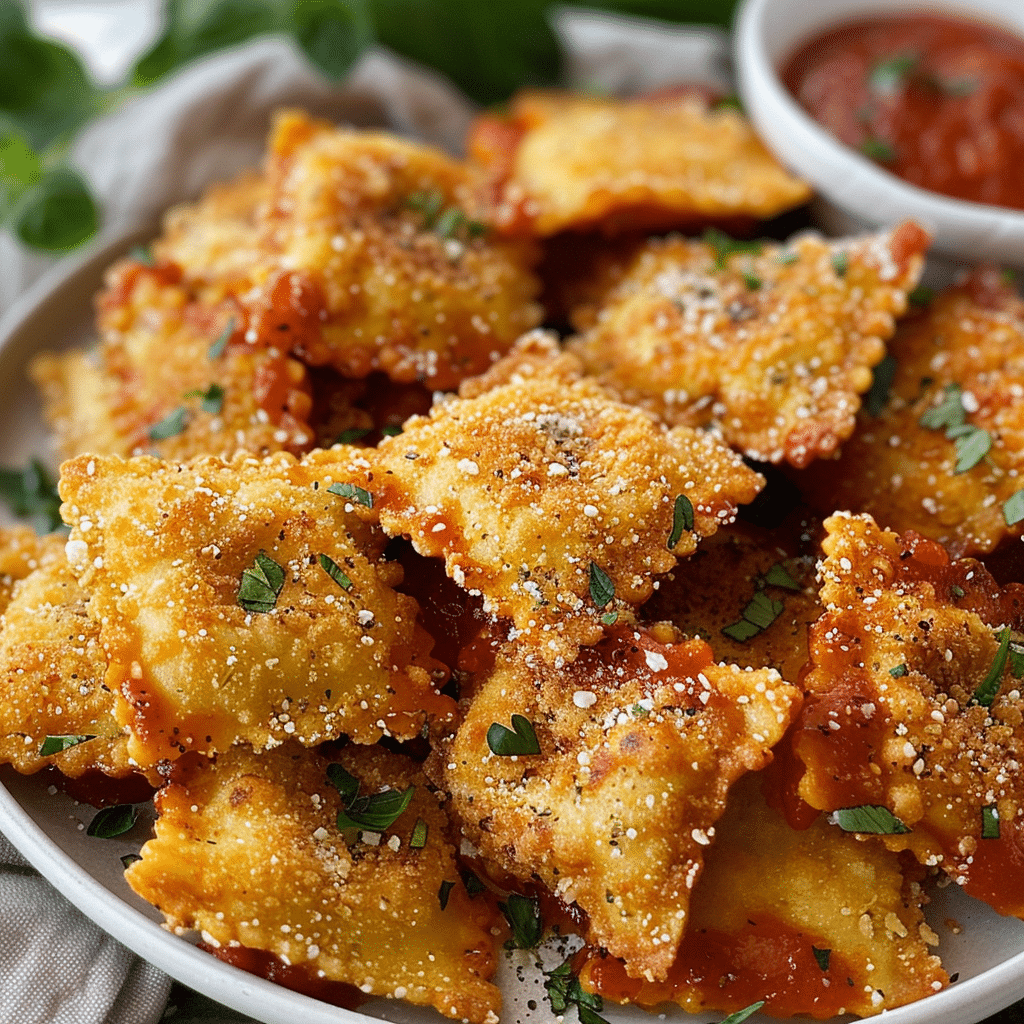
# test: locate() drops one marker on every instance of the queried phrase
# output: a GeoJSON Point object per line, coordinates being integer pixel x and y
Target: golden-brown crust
{"type": "Point", "coordinates": [639, 742]}
{"type": "Point", "coordinates": [162, 549]}
{"type": "Point", "coordinates": [771, 347]}
{"type": "Point", "coordinates": [903, 473]}
{"type": "Point", "coordinates": [247, 852]}
{"type": "Point", "coordinates": [563, 162]}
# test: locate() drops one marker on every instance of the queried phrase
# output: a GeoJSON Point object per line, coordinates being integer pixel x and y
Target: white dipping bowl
{"type": "Point", "coordinates": [856, 193]}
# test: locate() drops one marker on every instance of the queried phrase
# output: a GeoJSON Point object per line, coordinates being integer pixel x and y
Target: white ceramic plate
{"type": "Point", "coordinates": [987, 956]}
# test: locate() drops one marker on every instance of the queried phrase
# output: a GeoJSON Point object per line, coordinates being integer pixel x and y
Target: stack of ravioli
{"type": "Point", "coordinates": [462, 541]}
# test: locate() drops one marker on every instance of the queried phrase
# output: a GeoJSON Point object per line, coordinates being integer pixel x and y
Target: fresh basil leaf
{"type": "Point", "coordinates": [57, 744]}
{"type": "Point", "coordinates": [878, 150]}
{"type": "Point", "coordinates": [521, 739]}
{"type": "Point", "coordinates": [778, 576]}
{"type": "Point", "coordinates": [30, 493]}
{"type": "Point", "coordinates": [211, 400]}
{"type": "Point", "coordinates": [869, 818]}
{"type": "Point", "coordinates": [112, 821]}
{"type": "Point", "coordinates": [331, 567]}
{"type": "Point", "coordinates": [990, 822]}
{"type": "Point", "coordinates": [602, 589]}
{"type": "Point", "coordinates": [170, 426]}
{"type": "Point", "coordinates": [353, 492]}
{"type": "Point", "coordinates": [344, 782]}
{"type": "Point", "coordinates": [890, 75]}
{"type": "Point", "coordinates": [523, 916]}
{"type": "Point", "coordinates": [823, 956]}
{"type": "Point", "coordinates": [57, 213]}
{"type": "Point", "coordinates": [261, 584]}
{"type": "Point", "coordinates": [1013, 508]}
{"type": "Point", "coordinates": [444, 893]}
{"type": "Point", "coordinates": [682, 519]}
{"type": "Point", "coordinates": [129, 859]}
{"type": "Point", "coordinates": [352, 434]}
{"type": "Point", "coordinates": [216, 349]}
{"type": "Point", "coordinates": [987, 689]}
{"type": "Point", "coordinates": [877, 397]}
{"type": "Point", "coordinates": [723, 246]}
{"type": "Point", "coordinates": [332, 33]}
{"type": "Point", "coordinates": [741, 1015]}
{"type": "Point", "coordinates": [972, 445]}
{"type": "Point", "coordinates": [418, 839]}
{"type": "Point", "coordinates": [840, 263]}
{"type": "Point", "coordinates": [377, 812]}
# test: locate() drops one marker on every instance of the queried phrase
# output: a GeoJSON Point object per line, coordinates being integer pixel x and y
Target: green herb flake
{"type": "Point", "coordinates": [353, 492]}
{"type": "Point", "coordinates": [418, 839]}
{"type": "Point", "coordinates": [564, 990]}
{"type": "Point", "coordinates": [957, 592]}
{"type": "Point", "coordinates": [987, 689]}
{"type": "Point", "coordinates": [609, 618]}
{"type": "Point", "coordinates": [972, 445]}
{"type": "Point", "coordinates": [872, 819]}
{"type": "Point", "coordinates": [920, 296]}
{"type": "Point", "coordinates": [112, 822]}
{"type": "Point", "coordinates": [56, 744]}
{"type": "Point", "coordinates": [1016, 659]}
{"type": "Point", "coordinates": [682, 519]}
{"type": "Point", "coordinates": [990, 822]}
{"type": "Point", "coordinates": [444, 893]}
{"type": "Point", "coordinates": [840, 263]}
{"type": "Point", "coordinates": [730, 102]}
{"type": "Point", "coordinates": [344, 782]}
{"type": "Point", "coordinates": [211, 400]}
{"type": "Point", "coordinates": [948, 413]}
{"type": "Point", "coordinates": [877, 397]}
{"type": "Point", "coordinates": [1013, 508]}
{"type": "Point", "coordinates": [752, 281]}
{"type": "Point", "coordinates": [450, 222]}
{"type": "Point", "coordinates": [602, 590]}
{"type": "Point", "coordinates": [170, 426]}
{"type": "Point", "coordinates": [429, 204]}
{"type": "Point", "coordinates": [521, 739]}
{"type": "Point", "coordinates": [376, 812]}
{"type": "Point", "coordinates": [473, 884]}
{"type": "Point", "coordinates": [142, 254]}
{"type": "Point", "coordinates": [878, 150]}
{"type": "Point", "coordinates": [129, 859]}
{"type": "Point", "coordinates": [391, 431]}
{"type": "Point", "coordinates": [331, 567]}
{"type": "Point", "coordinates": [741, 1015]}
{"type": "Point", "coordinates": [891, 74]}
{"type": "Point", "coordinates": [31, 494]}
{"type": "Point", "coordinates": [216, 350]}
{"type": "Point", "coordinates": [352, 434]}
{"type": "Point", "coordinates": [898, 672]}
{"type": "Point", "coordinates": [523, 916]}
{"type": "Point", "coordinates": [261, 584]}
{"type": "Point", "coordinates": [761, 611]}
{"type": "Point", "coordinates": [722, 246]}
{"type": "Point", "coordinates": [778, 576]}
{"type": "Point", "coordinates": [823, 956]}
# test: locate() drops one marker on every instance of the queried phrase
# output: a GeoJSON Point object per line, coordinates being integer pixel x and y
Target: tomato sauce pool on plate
{"type": "Point", "coordinates": [937, 101]}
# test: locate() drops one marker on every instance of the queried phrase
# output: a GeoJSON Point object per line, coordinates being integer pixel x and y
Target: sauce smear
{"type": "Point", "coordinates": [937, 101]}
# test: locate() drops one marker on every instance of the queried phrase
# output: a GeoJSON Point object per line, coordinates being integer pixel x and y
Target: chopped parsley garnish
{"type": "Point", "coordinates": [761, 611]}
{"type": "Point", "coordinates": [972, 443]}
{"type": "Point", "coordinates": [878, 150]}
{"type": "Point", "coordinates": [331, 567]}
{"type": "Point", "coordinates": [722, 246]}
{"type": "Point", "coordinates": [752, 281]}
{"type": "Point", "coordinates": [353, 492]}
{"type": "Point", "coordinates": [610, 618]}
{"type": "Point", "coordinates": [170, 426]}
{"type": "Point", "coordinates": [352, 434]}
{"type": "Point", "coordinates": [261, 584]}
{"type": "Point", "coordinates": [523, 916]}
{"type": "Point", "coordinates": [890, 75]}
{"type": "Point", "coordinates": [898, 672]}
{"type": "Point", "coordinates": [602, 590]}
{"type": "Point", "coordinates": [869, 818]}
{"type": "Point", "coordinates": [922, 295]}
{"type": "Point", "coordinates": [823, 956]}
{"type": "Point", "coordinates": [682, 519]}
{"type": "Point", "coordinates": [990, 822]}
{"type": "Point", "coordinates": [987, 689]}
{"type": "Point", "coordinates": [112, 822]}
{"type": "Point", "coordinates": [778, 576]}
{"type": "Point", "coordinates": [216, 349]}
{"type": "Point", "coordinates": [375, 812]}
{"type": "Point", "coordinates": [418, 839]}
{"type": "Point", "coordinates": [948, 413]}
{"type": "Point", "coordinates": [391, 431]}
{"type": "Point", "coordinates": [448, 222]}
{"type": "Point", "coordinates": [1013, 508]}
{"type": "Point", "coordinates": [840, 263]}
{"type": "Point", "coordinates": [56, 744]}
{"type": "Point", "coordinates": [473, 884]}
{"type": "Point", "coordinates": [564, 990]}
{"type": "Point", "coordinates": [444, 893]}
{"type": "Point", "coordinates": [211, 400]}
{"type": "Point", "coordinates": [877, 397]}
{"type": "Point", "coordinates": [427, 203]}
{"type": "Point", "coordinates": [520, 739]}
{"type": "Point", "coordinates": [129, 859]}
{"type": "Point", "coordinates": [741, 1015]}
{"type": "Point", "coordinates": [31, 494]}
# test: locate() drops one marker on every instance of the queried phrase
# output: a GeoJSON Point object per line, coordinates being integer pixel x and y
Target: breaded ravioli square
{"type": "Point", "coordinates": [561, 162]}
{"type": "Point", "coordinates": [913, 724]}
{"type": "Point", "coordinates": [770, 344]}
{"type": "Point", "coordinates": [52, 667]}
{"type": "Point", "coordinates": [556, 503]}
{"type": "Point", "coordinates": [813, 922]}
{"type": "Point", "coordinates": [242, 600]}
{"type": "Point", "coordinates": [248, 853]}
{"type": "Point", "coordinates": [613, 805]}
{"type": "Point", "coordinates": [164, 379]}
{"type": "Point", "coordinates": [943, 453]}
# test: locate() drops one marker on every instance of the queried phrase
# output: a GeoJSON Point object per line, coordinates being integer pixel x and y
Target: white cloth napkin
{"type": "Point", "coordinates": [206, 124]}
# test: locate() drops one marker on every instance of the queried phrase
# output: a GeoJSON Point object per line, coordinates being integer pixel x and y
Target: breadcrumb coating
{"type": "Point", "coordinates": [772, 345]}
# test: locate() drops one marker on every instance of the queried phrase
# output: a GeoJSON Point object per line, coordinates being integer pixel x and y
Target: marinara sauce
{"type": "Point", "coordinates": [938, 101]}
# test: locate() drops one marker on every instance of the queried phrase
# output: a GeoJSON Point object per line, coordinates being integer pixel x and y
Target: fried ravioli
{"type": "Point", "coordinates": [248, 853]}
{"type": "Point", "coordinates": [562, 162]}
{"type": "Point", "coordinates": [914, 715]}
{"type": "Point", "coordinates": [636, 745]}
{"type": "Point", "coordinates": [557, 504]}
{"type": "Point", "coordinates": [244, 601]}
{"type": "Point", "coordinates": [770, 344]}
{"type": "Point", "coordinates": [959, 365]}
